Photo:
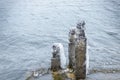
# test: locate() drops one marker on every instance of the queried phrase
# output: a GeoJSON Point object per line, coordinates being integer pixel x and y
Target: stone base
{"type": "Point", "coordinates": [55, 64]}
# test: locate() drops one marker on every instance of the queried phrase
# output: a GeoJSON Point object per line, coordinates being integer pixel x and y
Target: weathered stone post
{"type": "Point", "coordinates": [71, 48]}
{"type": "Point", "coordinates": [80, 56]}
{"type": "Point", "coordinates": [55, 61]}
{"type": "Point", "coordinates": [80, 52]}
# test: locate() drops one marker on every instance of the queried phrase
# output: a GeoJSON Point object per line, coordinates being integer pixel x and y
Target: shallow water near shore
{"type": "Point", "coordinates": [28, 28]}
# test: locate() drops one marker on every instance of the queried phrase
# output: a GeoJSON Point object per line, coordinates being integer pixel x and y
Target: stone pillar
{"type": "Point", "coordinates": [80, 52]}
{"type": "Point", "coordinates": [80, 56]}
{"type": "Point", "coordinates": [71, 48]}
{"type": "Point", "coordinates": [55, 61]}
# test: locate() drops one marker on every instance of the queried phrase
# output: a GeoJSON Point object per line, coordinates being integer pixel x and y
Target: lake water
{"type": "Point", "coordinates": [28, 28]}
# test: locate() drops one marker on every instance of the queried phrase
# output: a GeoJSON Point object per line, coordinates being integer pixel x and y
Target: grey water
{"type": "Point", "coordinates": [28, 28]}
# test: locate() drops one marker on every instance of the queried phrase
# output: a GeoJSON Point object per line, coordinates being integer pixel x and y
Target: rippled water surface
{"type": "Point", "coordinates": [28, 28]}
